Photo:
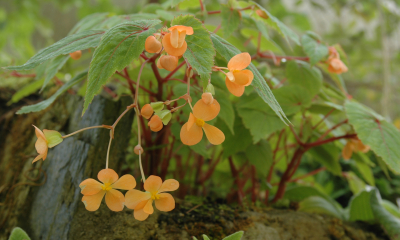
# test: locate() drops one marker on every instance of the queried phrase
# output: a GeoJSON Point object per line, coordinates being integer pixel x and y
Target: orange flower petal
{"type": "Point", "coordinates": [241, 78]}
{"type": "Point", "coordinates": [115, 200]}
{"type": "Point", "coordinates": [90, 186]}
{"type": "Point", "coordinates": [152, 184]}
{"type": "Point", "coordinates": [362, 147]}
{"type": "Point", "coordinates": [126, 182]}
{"type": "Point", "coordinates": [166, 202]}
{"type": "Point", "coordinates": [92, 202]}
{"type": "Point", "coordinates": [140, 215]}
{"type": "Point", "coordinates": [192, 136]}
{"type": "Point", "coordinates": [148, 208]}
{"type": "Point", "coordinates": [191, 121]}
{"type": "Point", "coordinates": [141, 204]}
{"type": "Point", "coordinates": [234, 88]}
{"type": "Point", "coordinates": [181, 38]}
{"type": "Point", "coordinates": [169, 185]}
{"type": "Point", "coordinates": [205, 111]}
{"type": "Point", "coordinates": [239, 62]}
{"type": "Point", "coordinates": [41, 146]}
{"type": "Point", "coordinates": [134, 197]}
{"type": "Point", "coordinates": [40, 156]}
{"type": "Point", "coordinates": [170, 49]}
{"type": "Point", "coordinates": [250, 75]}
{"type": "Point", "coordinates": [174, 37]}
{"type": "Point", "coordinates": [181, 28]}
{"type": "Point", "coordinates": [214, 135]}
{"type": "Point", "coordinates": [107, 176]}
{"type": "Point", "coordinates": [347, 151]}
{"type": "Point", "coordinates": [39, 133]}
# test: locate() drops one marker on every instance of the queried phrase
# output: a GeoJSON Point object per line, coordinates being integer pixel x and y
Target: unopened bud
{"type": "Point", "coordinates": [152, 45]}
{"type": "Point", "coordinates": [207, 98]}
{"type": "Point", "coordinates": [169, 62]}
{"type": "Point", "coordinates": [76, 55]}
{"type": "Point", "coordinates": [138, 149]}
{"type": "Point", "coordinates": [147, 111]}
{"type": "Point", "coordinates": [155, 123]}
{"type": "Point", "coordinates": [189, 72]}
{"type": "Point", "coordinates": [262, 14]}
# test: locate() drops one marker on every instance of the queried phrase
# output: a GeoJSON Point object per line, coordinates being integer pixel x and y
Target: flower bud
{"type": "Point", "coordinates": [147, 111]}
{"type": "Point", "coordinates": [337, 66]}
{"type": "Point", "coordinates": [155, 123]}
{"type": "Point", "coordinates": [152, 45]}
{"type": "Point", "coordinates": [262, 14]}
{"type": "Point", "coordinates": [169, 62]}
{"type": "Point", "coordinates": [76, 55]}
{"type": "Point", "coordinates": [207, 98]}
{"type": "Point", "coordinates": [137, 149]}
{"type": "Point", "coordinates": [159, 64]}
{"type": "Point", "coordinates": [189, 72]}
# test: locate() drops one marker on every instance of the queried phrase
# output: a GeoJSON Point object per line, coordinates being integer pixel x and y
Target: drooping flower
{"type": "Point", "coordinates": [152, 45]}
{"type": "Point", "coordinates": [262, 14]}
{"type": "Point", "coordinates": [94, 191]}
{"type": "Point", "coordinates": [155, 123]}
{"type": "Point", "coordinates": [192, 131]}
{"type": "Point", "coordinates": [335, 64]}
{"type": "Point", "coordinates": [207, 98]}
{"type": "Point", "coordinates": [168, 62]}
{"type": "Point", "coordinates": [142, 202]}
{"type": "Point", "coordinates": [46, 139]}
{"type": "Point", "coordinates": [76, 55]}
{"type": "Point", "coordinates": [238, 77]}
{"type": "Point", "coordinates": [174, 42]}
{"type": "Point", "coordinates": [147, 111]}
{"type": "Point", "coordinates": [354, 145]}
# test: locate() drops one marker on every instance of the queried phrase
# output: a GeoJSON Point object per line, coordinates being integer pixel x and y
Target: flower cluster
{"type": "Point", "coordinates": [335, 64]}
{"type": "Point", "coordinates": [141, 202]}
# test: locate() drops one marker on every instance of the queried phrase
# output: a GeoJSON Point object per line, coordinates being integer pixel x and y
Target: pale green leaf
{"type": "Point", "coordinates": [230, 20]}
{"type": "Point", "coordinates": [374, 131]}
{"type": "Point", "coordinates": [235, 236]}
{"type": "Point", "coordinates": [118, 47]}
{"type": "Point", "coordinates": [360, 206]}
{"type": "Point", "coordinates": [260, 155]}
{"type": "Point", "coordinates": [44, 104]}
{"type": "Point", "coordinates": [52, 68]}
{"type": "Point", "coordinates": [18, 234]}
{"type": "Point", "coordinates": [200, 52]}
{"type": "Point", "coordinates": [232, 144]}
{"type": "Point", "coordinates": [69, 44]}
{"type": "Point", "coordinates": [89, 22]}
{"type": "Point", "coordinates": [300, 73]}
{"type": "Point", "coordinates": [26, 91]}
{"type": "Point", "coordinates": [391, 207]}
{"type": "Point", "coordinates": [316, 204]}
{"type": "Point", "coordinates": [314, 49]}
{"type": "Point", "coordinates": [328, 156]}
{"type": "Point", "coordinates": [226, 113]}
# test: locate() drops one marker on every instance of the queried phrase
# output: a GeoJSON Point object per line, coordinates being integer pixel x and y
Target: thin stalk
{"type": "Point", "coordinates": [108, 151]}
{"type": "Point", "coordinates": [83, 129]}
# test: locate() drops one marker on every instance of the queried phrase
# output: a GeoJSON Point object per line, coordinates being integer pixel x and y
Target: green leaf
{"type": "Point", "coordinates": [165, 116]}
{"type": "Point", "coordinates": [360, 206]}
{"type": "Point", "coordinates": [53, 67]}
{"type": "Point", "coordinates": [316, 204]}
{"type": "Point", "coordinates": [293, 98]}
{"type": "Point", "coordinates": [390, 223]}
{"type": "Point", "coordinates": [89, 22]}
{"type": "Point", "coordinates": [376, 132]}
{"type": "Point", "coordinates": [327, 155]}
{"type": "Point", "coordinates": [200, 52]}
{"type": "Point", "coordinates": [171, 3]}
{"type": "Point", "coordinates": [391, 208]}
{"type": "Point", "coordinates": [230, 20]}
{"type": "Point", "coordinates": [299, 193]}
{"type": "Point", "coordinates": [227, 51]}
{"type": "Point", "coordinates": [260, 155]}
{"type": "Point", "coordinates": [26, 91]}
{"type": "Point", "coordinates": [44, 104]}
{"type": "Point", "coordinates": [235, 236]}
{"type": "Point", "coordinates": [231, 144]}
{"type": "Point", "coordinates": [226, 113]}
{"type": "Point", "coordinates": [18, 234]}
{"type": "Point", "coordinates": [157, 106]}
{"type": "Point", "coordinates": [205, 237]}
{"type": "Point", "coordinates": [300, 73]}
{"type": "Point", "coordinates": [355, 183]}
{"type": "Point", "coordinates": [118, 47]}
{"type": "Point", "coordinates": [313, 48]}
{"type": "Point", "coordinates": [364, 169]}
{"type": "Point", "coordinates": [279, 26]}
{"type": "Point", "coordinates": [53, 137]}
{"type": "Point", "coordinates": [72, 43]}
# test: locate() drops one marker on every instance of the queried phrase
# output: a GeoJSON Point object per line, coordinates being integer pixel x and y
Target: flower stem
{"type": "Point", "coordinates": [140, 152]}
{"type": "Point", "coordinates": [83, 129]}
{"type": "Point", "coordinates": [108, 151]}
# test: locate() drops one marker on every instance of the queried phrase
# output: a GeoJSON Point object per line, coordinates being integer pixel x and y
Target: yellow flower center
{"type": "Point", "coordinates": [155, 196]}
{"type": "Point", "coordinates": [106, 186]}
{"type": "Point", "coordinates": [236, 71]}
{"type": "Point", "coordinates": [199, 122]}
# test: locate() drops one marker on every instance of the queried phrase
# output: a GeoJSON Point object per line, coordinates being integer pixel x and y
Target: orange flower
{"type": "Point", "coordinates": [353, 145]}
{"type": "Point", "coordinates": [94, 191]}
{"type": "Point", "coordinates": [174, 42]}
{"type": "Point", "coordinates": [237, 78]}
{"type": "Point", "coordinates": [142, 202]}
{"type": "Point", "coordinates": [168, 62]}
{"type": "Point", "coordinates": [76, 55]}
{"type": "Point", "coordinates": [155, 123]}
{"type": "Point", "coordinates": [335, 64]}
{"type": "Point", "coordinates": [46, 139]}
{"type": "Point", "coordinates": [207, 98]}
{"type": "Point", "coordinates": [191, 132]}
{"type": "Point", "coordinates": [262, 14]}
{"type": "Point", "coordinates": [152, 45]}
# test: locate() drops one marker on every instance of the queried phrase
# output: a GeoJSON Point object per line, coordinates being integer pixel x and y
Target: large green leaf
{"type": "Point", "coordinates": [226, 113]}
{"type": "Point", "coordinates": [72, 43]}
{"type": "Point", "coordinates": [279, 26]}
{"type": "Point", "coordinates": [391, 208]}
{"type": "Point", "coordinates": [376, 132]}
{"type": "Point", "coordinates": [260, 155]}
{"type": "Point", "coordinates": [26, 91]}
{"type": "Point", "coordinates": [200, 52]}
{"type": "Point", "coordinates": [89, 22]}
{"type": "Point", "coordinates": [227, 51]}
{"type": "Point", "coordinates": [44, 104]}
{"type": "Point", "coordinates": [235, 236]}
{"type": "Point", "coordinates": [230, 20]}
{"type": "Point", "coordinates": [300, 73]}
{"type": "Point", "coordinates": [231, 144]}
{"type": "Point", "coordinates": [293, 98]}
{"type": "Point", "coordinates": [327, 155]}
{"type": "Point", "coordinates": [360, 206]}
{"type": "Point", "coordinates": [316, 204]}
{"type": "Point", "coordinates": [18, 234]}
{"type": "Point", "coordinates": [314, 49]}
{"type": "Point", "coordinates": [119, 46]}
{"type": "Point", "coordinates": [52, 68]}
